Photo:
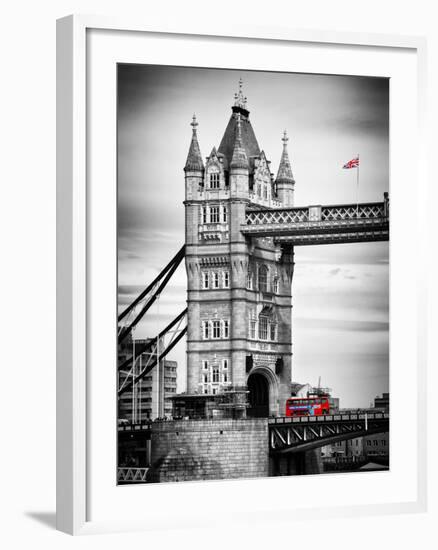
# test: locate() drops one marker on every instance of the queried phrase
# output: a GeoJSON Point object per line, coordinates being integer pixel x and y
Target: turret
{"type": "Point", "coordinates": [194, 167]}
{"type": "Point", "coordinates": [285, 182]}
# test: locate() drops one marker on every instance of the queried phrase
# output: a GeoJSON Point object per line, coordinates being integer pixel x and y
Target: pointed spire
{"type": "Point", "coordinates": [239, 99]}
{"type": "Point", "coordinates": [284, 174]}
{"type": "Point", "coordinates": [239, 158]}
{"type": "Point", "coordinates": [194, 161]}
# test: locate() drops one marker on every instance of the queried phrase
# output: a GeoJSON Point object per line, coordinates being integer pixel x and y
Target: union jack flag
{"type": "Point", "coordinates": [353, 163]}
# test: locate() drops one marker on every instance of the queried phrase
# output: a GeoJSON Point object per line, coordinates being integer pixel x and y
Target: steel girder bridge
{"type": "Point", "coordinates": [312, 225]}
{"type": "Point", "coordinates": [300, 434]}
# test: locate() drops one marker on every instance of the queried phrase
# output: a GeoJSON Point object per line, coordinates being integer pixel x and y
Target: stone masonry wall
{"type": "Point", "coordinates": [209, 449]}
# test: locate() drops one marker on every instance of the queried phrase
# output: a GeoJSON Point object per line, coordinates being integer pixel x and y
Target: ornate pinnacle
{"type": "Point", "coordinates": [194, 161]}
{"type": "Point", "coordinates": [284, 174]}
{"type": "Point", "coordinates": [239, 98]}
{"type": "Point", "coordinates": [284, 139]}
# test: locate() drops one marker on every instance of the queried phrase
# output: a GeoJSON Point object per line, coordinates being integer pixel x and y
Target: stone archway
{"type": "Point", "coordinates": [263, 393]}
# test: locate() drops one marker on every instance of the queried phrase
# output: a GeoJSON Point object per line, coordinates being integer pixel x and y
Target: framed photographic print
{"type": "Point", "coordinates": [237, 314]}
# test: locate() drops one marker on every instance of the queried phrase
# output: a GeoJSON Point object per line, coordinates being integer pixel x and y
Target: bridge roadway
{"type": "Point", "coordinates": [298, 434]}
{"type": "Point", "coordinates": [286, 435]}
{"type": "Point", "coordinates": [303, 433]}
{"type": "Point", "coordinates": [330, 224]}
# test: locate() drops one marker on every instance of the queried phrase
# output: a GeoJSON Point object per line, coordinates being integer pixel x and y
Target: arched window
{"type": "Point", "coordinates": [275, 285]}
{"type": "Point", "coordinates": [263, 278]}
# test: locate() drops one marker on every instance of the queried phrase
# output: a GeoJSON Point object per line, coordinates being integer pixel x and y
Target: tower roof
{"type": "Point", "coordinates": [194, 159]}
{"type": "Point", "coordinates": [248, 139]}
{"type": "Point", "coordinates": [239, 158]}
{"type": "Point", "coordinates": [284, 174]}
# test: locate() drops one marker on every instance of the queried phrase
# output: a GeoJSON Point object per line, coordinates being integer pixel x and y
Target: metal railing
{"type": "Point", "coordinates": [290, 215]}
{"type": "Point", "coordinates": [353, 212]}
{"type": "Point", "coordinates": [345, 212]}
{"type": "Point", "coordinates": [327, 418]}
{"type": "Point", "coordinates": [134, 426]}
{"type": "Point", "coordinates": [131, 475]}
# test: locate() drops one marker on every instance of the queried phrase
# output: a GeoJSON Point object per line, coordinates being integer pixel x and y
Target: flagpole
{"type": "Point", "coordinates": [357, 188]}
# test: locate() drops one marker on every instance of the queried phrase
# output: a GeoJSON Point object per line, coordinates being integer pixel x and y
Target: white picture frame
{"type": "Point", "coordinates": [74, 283]}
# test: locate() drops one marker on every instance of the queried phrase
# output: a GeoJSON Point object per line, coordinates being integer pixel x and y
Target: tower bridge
{"type": "Point", "coordinates": [241, 228]}
{"type": "Point", "coordinates": [241, 231]}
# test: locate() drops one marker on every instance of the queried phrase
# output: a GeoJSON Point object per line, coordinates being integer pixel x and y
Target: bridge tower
{"type": "Point", "coordinates": [239, 288]}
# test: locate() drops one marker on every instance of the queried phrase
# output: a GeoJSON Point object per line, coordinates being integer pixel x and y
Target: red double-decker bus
{"type": "Point", "coordinates": [307, 406]}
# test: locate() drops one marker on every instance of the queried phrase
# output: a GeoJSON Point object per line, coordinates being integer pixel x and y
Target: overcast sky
{"type": "Point", "coordinates": [340, 292]}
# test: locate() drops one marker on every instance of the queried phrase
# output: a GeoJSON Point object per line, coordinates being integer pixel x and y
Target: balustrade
{"type": "Point", "coordinates": [363, 222]}
{"type": "Point", "coordinates": [368, 211]}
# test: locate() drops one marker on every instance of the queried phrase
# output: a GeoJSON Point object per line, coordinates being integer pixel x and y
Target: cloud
{"type": "Point", "coordinates": [341, 254]}
{"type": "Point", "coordinates": [340, 325]}
{"type": "Point", "coordinates": [130, 290]}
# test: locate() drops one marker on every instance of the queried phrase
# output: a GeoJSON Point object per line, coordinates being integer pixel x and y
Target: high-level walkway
{"type": "Point", "coordinates": [342, 223]}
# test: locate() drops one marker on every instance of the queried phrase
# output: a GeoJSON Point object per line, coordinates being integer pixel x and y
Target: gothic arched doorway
{"type": "Point", "coordinates": [258, 397]}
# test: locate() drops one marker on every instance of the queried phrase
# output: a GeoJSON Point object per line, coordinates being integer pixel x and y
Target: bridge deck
{"type": "Point", "coordinates": [321, 224]}
{"type": "Point", "coordinates": [328, 418]}
{"type": "Point", "coordinates": [298, 434]}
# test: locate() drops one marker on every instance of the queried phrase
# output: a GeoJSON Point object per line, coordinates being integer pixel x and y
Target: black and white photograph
{"type": "Point", "coordinates": [219, 275]}
{"type": "Point", "coordinates": [253, 274]}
